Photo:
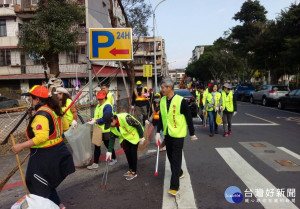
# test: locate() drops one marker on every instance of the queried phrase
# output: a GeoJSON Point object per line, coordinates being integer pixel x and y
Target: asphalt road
{"type": "Point", "coordinates": [211, 165]}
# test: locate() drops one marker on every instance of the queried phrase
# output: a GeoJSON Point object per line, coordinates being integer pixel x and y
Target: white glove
{"type": "Point", "coordinates": [158, 138]}
{"type": "Point", "coordinates": [194, 137]}
{"type": "Point", "coordinates": [147, 122]}
{"type": "Point", "coordinates": [74, 124]}
{"type": "Point", "coordinates": [92, 121]}
{"type": "Point", "coordinates": [132, 108]}
{"type": "Point", "coordinates": [221, 108]}
{"type": "Point", "coordinates": [216, 109]}
{"type": "Point", "coordinates": [234, 113]}
{"type": "Point", "coordinates": [142, 140]}
{"type": "Point", "coordinates": [108, 156]}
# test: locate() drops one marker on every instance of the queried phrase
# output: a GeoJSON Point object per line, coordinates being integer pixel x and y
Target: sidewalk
{"type": "Point", "coordinates": [13, 189]}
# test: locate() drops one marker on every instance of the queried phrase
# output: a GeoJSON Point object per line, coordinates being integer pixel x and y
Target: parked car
{"type": "Point", "coordinates": [8, 103]}
{"type": "Point", "coordinates": [189, 98]}
{"type": "Point", "coordinates": [267, 94]}
{"type": "Point", "coordinates": [290, 100]}
{"type": "Point", "coordinates": [243, 91]}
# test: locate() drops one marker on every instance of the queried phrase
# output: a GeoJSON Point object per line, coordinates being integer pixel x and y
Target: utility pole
{"type": "Point", "coordinates": [154, 45]}
{"type": "Point", "coordinates": [89, 62]}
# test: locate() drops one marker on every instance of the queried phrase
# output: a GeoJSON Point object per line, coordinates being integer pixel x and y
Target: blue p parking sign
{"type": "Point", "coordinates": [110, 44]}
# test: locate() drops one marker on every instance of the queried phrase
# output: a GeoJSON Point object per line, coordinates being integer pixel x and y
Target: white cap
{"type": "Point", "coordinates": [61, 90]}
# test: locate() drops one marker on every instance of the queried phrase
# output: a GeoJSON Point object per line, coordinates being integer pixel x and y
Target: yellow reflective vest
{"type": "Point", "coordinates": [99, 114]}
{"type": "Point", "coordinates": [209, 98]}
{"type": "Point", "coordinates": [110, 98]}
{"type": "Point", "coordinates": [204, 96]}
{"type": "Point", "coordinates": [227, 101]}
{"type": "Point", "coordinates": [127, 131]}
{"type": "Point", "coordinates": [69, 114]}
{"type": "Point", "coordinates": [173, 120]}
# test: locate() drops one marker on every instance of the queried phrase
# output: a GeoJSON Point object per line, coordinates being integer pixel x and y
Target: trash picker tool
{"type": "Point", "coordinates": [157, 156]}
{"type": "Point", "coordinates": [19, 164]}
{"type": "Point", "coordinates": [104, 178]}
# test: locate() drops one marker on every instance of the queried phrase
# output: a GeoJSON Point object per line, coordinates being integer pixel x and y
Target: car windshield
{"type": "Point", "coordinates": [246, 86]}
{"type": "Point", "coordinates": [280, 88]}
{"type": "Point", "coordinates": [183, 93]}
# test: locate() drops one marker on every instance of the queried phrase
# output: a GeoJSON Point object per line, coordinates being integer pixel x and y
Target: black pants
{"type": "Point", "coordinates": [131, 154]}
{"type": "Point", "coordinates": [97, 150]}
{"type": "Point", "coordinates": [174, 148]}
{"type": "Point", "coordinates": [54, 197]}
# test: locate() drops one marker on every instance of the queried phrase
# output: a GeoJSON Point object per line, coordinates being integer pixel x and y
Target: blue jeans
{"type": "Point", "coordinates": [212, 121]}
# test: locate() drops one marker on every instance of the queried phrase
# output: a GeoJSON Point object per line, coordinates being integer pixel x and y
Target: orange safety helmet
{"type": "Point", "coordinates": [38, 91]}
{"type": "Point", "coordinates": [101, 94]}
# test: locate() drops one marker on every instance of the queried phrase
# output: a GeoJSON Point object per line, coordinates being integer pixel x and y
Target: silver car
{"type": "Point", "coordinates": [267, 94]}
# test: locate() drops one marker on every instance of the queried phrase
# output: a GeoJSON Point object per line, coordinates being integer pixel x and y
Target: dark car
{"type": "Point", "coordinates": [290, 100]}
{"type": "Point", "coordinates": [243, 91]}
{"type": "Point", "coordinates": [186, 94]}
{"type": "Point", "coordinates": [8, 103]}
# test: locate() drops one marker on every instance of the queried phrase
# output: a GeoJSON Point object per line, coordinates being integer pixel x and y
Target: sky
{"type": "Point", "coordinates": [184, 24]}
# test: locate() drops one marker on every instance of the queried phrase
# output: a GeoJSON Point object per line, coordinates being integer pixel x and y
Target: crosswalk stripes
{"type": "Point", "coordinates": [252, 178]}
{"type": "Point", "coordinates": [289, 152]}
{"type": "Point", "coordinates": [185, 199]}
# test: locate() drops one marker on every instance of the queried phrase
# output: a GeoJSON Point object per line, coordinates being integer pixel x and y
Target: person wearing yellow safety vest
{"type": "Point", "coordinates": [50, 161]}
{"type": "Point", "coordinates": [212, 104]}
{"type": "Point", "coordinates": [130, 133]}
{"type": "Point", "coordinates": [205, 93]}
{"type": "Point", "coordinates": [155, 116]}
{"type": "Point", "coordinates": [110, 96]}
{"type": "Point", "coordinates": [228, 107]}
{"type": "Point", "coordinates": [174, 119]}
{"type": "Point", "coordinates": [139, 102]}
{"type": "Point", "coordinates": [199, 96]}
{"type": "Point", "coordinates": [103, 108]}
{"type": "Point", "coordinates": [65, 101]}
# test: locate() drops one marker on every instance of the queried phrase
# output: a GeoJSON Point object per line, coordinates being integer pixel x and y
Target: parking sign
{"type": "Point", "coordinates": [110, 44]}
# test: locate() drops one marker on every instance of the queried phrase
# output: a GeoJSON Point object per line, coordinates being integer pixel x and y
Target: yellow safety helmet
{"type": "Point", "coordinates": [157, 95]}
{"type": "Point", "coordinates": [138, 82]}
{"type": "Point", "coordinates": [145, 87]}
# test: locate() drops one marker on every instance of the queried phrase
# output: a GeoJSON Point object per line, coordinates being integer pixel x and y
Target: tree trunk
{"type": "Point", "coordinates": [53, 63]}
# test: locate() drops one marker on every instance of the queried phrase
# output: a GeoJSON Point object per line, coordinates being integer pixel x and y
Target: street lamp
{"type": "Point", "coordinates": [154, 45]}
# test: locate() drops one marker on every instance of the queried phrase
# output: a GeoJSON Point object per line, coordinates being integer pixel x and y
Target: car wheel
{"type": "Point", "coordinates": [264, 101]}
{"type": "Point", "coordinates": [251, 100]}
{"type": "Point", "coordinates": [280, 105]}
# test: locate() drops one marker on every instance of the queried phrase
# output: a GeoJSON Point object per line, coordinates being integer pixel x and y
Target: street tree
{"type": "Point", "coordinates": [54, 29]}
{"type": "Point", "coordinates": [245, 37]}
{"type": "Point", "coordinates": [136, 14]}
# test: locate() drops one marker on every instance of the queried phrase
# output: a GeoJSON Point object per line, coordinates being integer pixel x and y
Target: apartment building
{"type": "Point", "coordinates": [197, 52]}
{"type": "Point", "coordinates": [144, 55]}
{"type": "Point", "coordinates": [20, 71]}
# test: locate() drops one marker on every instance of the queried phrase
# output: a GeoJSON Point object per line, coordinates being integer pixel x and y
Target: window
{"type": "Point", "coordinates": [298, 93]}
{"type": "Point", "coordinates": [4, 57]}
{"type": "Point", "coordinates": [2, 28]}
{"type": "Point", "coordinates": [292, 93]}
{"type": "Point", "coordinates": [82, 50]}
{"type": "Point", "coordinates": [73, 56]}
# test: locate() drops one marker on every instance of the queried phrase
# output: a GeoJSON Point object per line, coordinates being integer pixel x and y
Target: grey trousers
{"type": "Point", "coordinates": [140, 112]}
{"type": "Point", "coordinates": [227, 116]}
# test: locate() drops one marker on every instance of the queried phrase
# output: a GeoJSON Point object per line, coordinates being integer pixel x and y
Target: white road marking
{"type": "Point", "coordinates": [253, 179]}
{"type": "Point", "coordinates": [247, 124]}
{"type": "Point", "coordinates": [185, 199]}
{"type": "Point", "coordinates": [289, 152]}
